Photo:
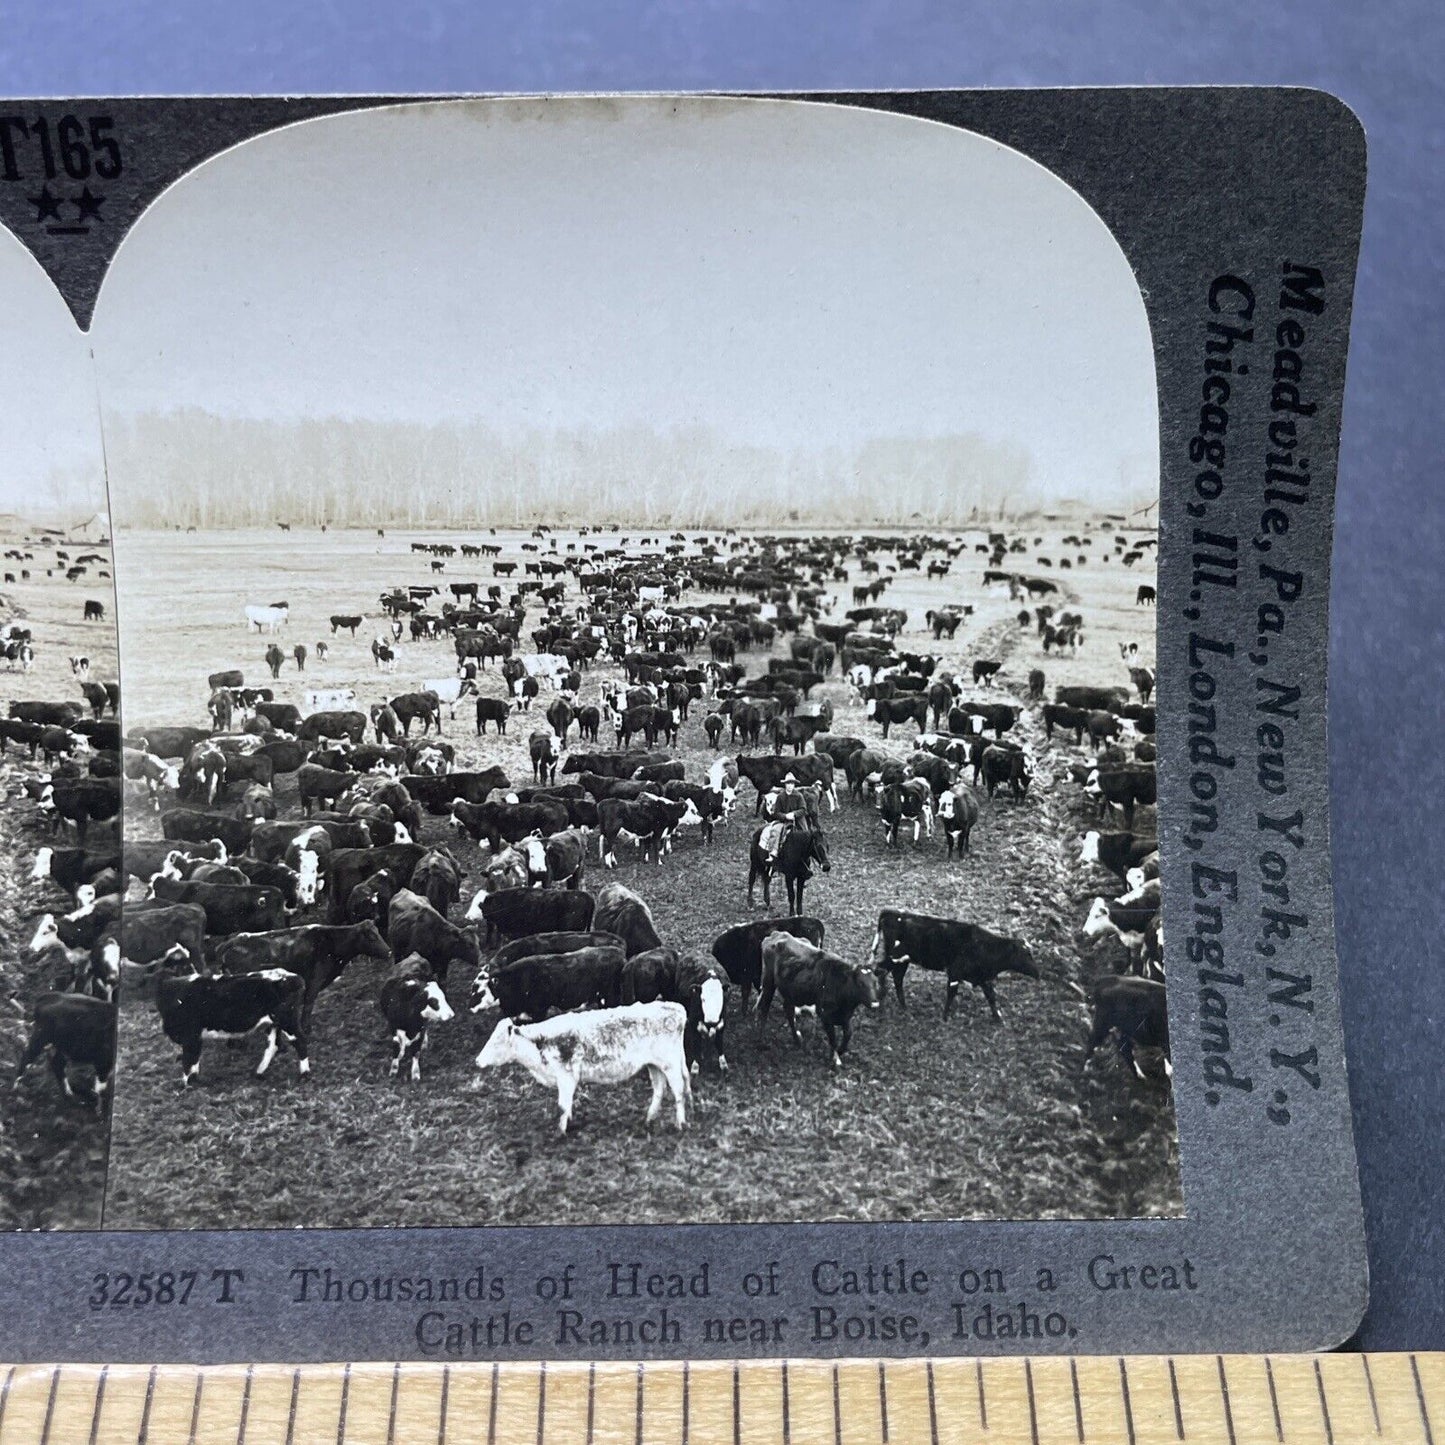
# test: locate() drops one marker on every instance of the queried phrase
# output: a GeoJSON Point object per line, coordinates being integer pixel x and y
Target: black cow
{"type": "Point", "coordinates": [535, 986]}
{"type": "Point", "coordinates": [649, 821]}
{"type": "Point", "coordinates": [622, 912]}
{"type": "Point", "coordinates": [438, 879]}
{"type": "Point", "coordinates": [1006, 767]}
{"type": "Point", "coordinates": [81, 802]}
{"type": "Point", "coordinates": [767, 773]}
{"type": "Point", "coordinates": [437, 794]}
{"type": "Point", "coordinates": [964, 951]}
{"type": "Point", "coordinates": [350, 866]}
{"type": "Point", "coordinates": [414, 926]}
{"type": "Point", "coordinates": [500, 822]}
{"type": "Point", "coordinates": [808, 977]}
{"type": "Point", "coordinates": [1123, 787]}
{"type": "Point", "coordinates": [493, 710]}
{"type": "Point", "coordinates": [887, 711]}
{"type": "Point", "coordinates": [1135, 1011]}
{"type": "Point", "coordinates": [650, 975]}
{"type": "Point", "coordinates": [317, 953]}
{"type": "Point", "coordinates": [535, 943]}
{"type": "Point", "coordinates": [77, 1029]}
{"type": "Point", "coordinates": [544, 757]}
{"type": "Point", "coordinates": [229, 907]}
{"type": "Point", "coordinates": [195, 1005]}
{"type": "Point", "coordinates": [701, 988]}
{"type": "Point", "coordinates": [517, 912]}
{"type": "Point", "coordinates": [957, 814]}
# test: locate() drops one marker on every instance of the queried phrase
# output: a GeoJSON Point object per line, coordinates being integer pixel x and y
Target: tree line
{"type": "Point", "coordinates": [191, 467]}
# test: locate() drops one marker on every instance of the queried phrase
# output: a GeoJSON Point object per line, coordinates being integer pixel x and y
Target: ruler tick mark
{"type": "Point", "coordinates": [291, 1415]}
{"type": "Point", "coordinates": [245, 1406]}
{"type": "Point", "coordinates": [446, 1393]}
{"type": "Point", "coordinates": [982, 1408]}
{"type": "Point", "coordinates": [591, 1398]}
{"type": "Point", "coordinates": [345, 1400]}
{"type": "Point", "coordinates": [1178, 1406]}
{"type": "Point", "coordinates": [1224, 1395]}
{"type": "Point", "coordinates": [638, 1436]}
{"type": "Point", "coordinates": [686, 1400]}
{"type": "Point", "coordinates": [145, 1415]}
{"type": "Point", "coordinates": [883, 1400]}
{"type": "Point", "coordinates": [5, 1392]}
{"type": "Point", "coordinates": [1324, 1406]}
{"type": "Point", "coordinates": [492, 1406]}
{"type": "Point", "coordinates": [1033, 1407]}
{"type": "Point", "coordinates": [99, 1400]}
{"type": "Point", "coordinates": [1078, 1401]}
{"type": "Point", "coordinates": [787, 1424]}
{"type": "Point", "coordinates": [541, 1400]}
{"type": "Point", "coordinates": [391, 1409]}
{"type": "Point", "coordinates": [196, 1407]}
{"type": "Point", "coordinates": [837, 1413]}
{"type": "Point", "coordinates": [1420, 1400]}
{"type": "Point", "coordinates": [1370, 1390]}
{"type": "Point", "coordinates": [1128, 1407]}
{"type": "Point", "coordinates": [50, 1407]}
{"type": "Point", "coordinates": [737, 1402]}
{"type": "Point", "coordinates": [1273, 1399]}
{"type": "Point", "coordinates": [932, 1408]}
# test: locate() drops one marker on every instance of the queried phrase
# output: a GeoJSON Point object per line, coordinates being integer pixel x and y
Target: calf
{"type": "Point", "coordinates": [77, 1029]}
{"type": "Point", "coordinates": [809, 977]}
{"type": "Point", "coordinates": [957, 813]}
{"type": "Point", "coordinates": [1118, 852]}
{"type": "Point", "coordinates": [410, 1000]}
{"type": "Point", "coordinates": [963, 951]}
{"type": "Point", "coordinates": [607, 1047]}
{"type": "Point", "coordinates": [196, 1005]}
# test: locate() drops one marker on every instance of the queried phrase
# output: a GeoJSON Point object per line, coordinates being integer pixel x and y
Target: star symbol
{"type": "Point", "coordinates": [47, 207]}
{"type": "Point", "coordinates": [89, 204]}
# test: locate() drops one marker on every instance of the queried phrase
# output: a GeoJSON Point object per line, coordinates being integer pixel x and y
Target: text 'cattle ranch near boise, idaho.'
{"type": "Point", "coordinates": [636, 708]}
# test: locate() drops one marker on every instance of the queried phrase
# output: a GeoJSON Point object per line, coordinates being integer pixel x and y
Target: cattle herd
{"type": "Point", "coordinates": [482, 846]}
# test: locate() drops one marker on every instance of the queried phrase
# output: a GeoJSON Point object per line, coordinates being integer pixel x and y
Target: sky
{"type": "Point", "coordinates": [785, 275]}
{"type": "Point", "coordinates": [50, 452]}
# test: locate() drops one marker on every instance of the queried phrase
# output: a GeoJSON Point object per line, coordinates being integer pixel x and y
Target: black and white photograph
{"type": "Point", "coordinates": [60, 766]}
{"type": "Point", "coordinates": [638, 649]}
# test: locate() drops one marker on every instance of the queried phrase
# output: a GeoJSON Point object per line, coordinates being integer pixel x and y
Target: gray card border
{"type": "Point", "coordinates": [1196, 185]}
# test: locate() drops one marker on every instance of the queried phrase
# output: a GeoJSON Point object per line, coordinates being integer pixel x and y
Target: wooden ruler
{"type": "Point", "coordinates": [1233, 1399]}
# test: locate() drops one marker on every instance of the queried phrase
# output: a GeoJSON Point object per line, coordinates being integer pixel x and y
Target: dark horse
{"type": "Point", "coordinates": [801, 846]}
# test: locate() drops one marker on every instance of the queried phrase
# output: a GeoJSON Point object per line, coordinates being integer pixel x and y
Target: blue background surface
{"type": "Point", "coordinates": [1385, 60]}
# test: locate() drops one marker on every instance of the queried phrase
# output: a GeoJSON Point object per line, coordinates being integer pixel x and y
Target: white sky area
{"type": "Point", "coordinates": [50, 454]}
{"type": "Point", "coordinates": [788, 275]}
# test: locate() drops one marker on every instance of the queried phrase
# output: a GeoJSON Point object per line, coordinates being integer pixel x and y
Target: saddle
{"type": "Point", "coordinates": [770, 841]}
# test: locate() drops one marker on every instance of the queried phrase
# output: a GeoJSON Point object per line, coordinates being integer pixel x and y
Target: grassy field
{"type": "Point", "coordinates": [926, 1120]}
{"type": "Point", "coordinates": [52, 1149]}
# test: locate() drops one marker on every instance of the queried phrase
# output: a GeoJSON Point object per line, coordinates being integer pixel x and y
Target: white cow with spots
{"type": "Point", "coordinates": [603, 1046]}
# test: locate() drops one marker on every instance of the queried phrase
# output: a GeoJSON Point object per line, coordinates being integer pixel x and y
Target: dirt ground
{"type": "Point", "coordinates": [926, 1120]}
{"type": "Point", "coordinates": [52, 1149]}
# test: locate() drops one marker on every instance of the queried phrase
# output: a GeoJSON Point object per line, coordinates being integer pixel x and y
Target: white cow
{"type": "Point", "coordinates": [603, 1046]}
{"type": "Point", "coordinates": [548, 667]}
{"type": "Point", "coordinates": [450, 690]}
{"type": "Point", "coordinates": [267, 619]}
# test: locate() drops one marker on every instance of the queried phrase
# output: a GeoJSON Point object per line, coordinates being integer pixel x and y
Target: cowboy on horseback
{"type": "Point", "coordinates": [779, 808]}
